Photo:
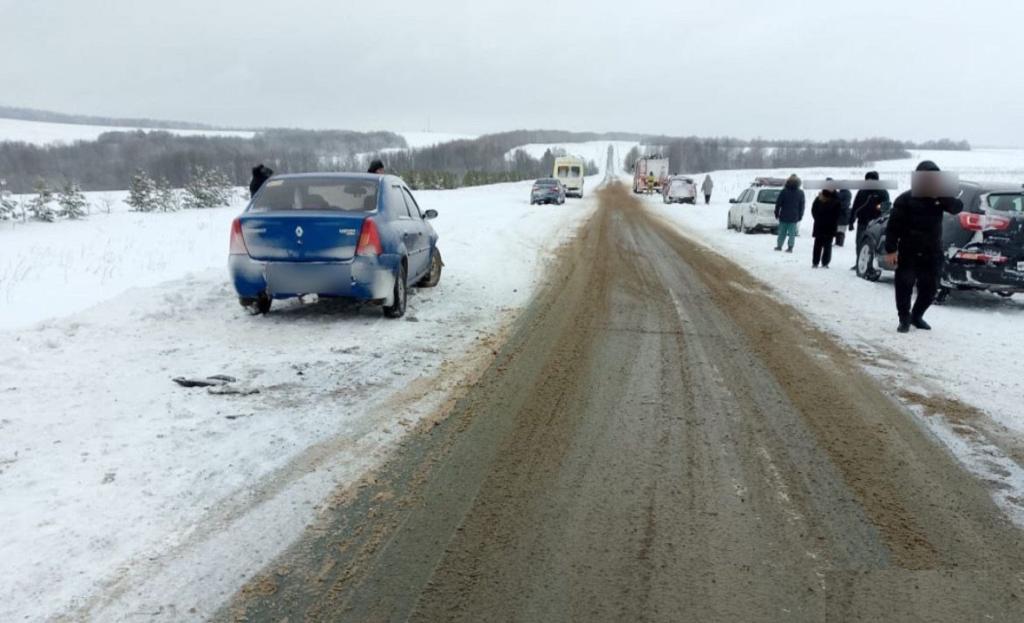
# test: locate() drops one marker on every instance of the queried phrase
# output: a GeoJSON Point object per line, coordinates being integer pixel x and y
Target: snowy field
{"type": "Point", "coordinates": [44, 132]}
{"type": "Point", "coordinates": [972, 355]}
{"type": "Point", "coordinates": [119, 489]}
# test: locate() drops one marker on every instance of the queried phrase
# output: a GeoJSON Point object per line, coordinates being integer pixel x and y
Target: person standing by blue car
{"type": "Point", "coordinates": [789, 209]}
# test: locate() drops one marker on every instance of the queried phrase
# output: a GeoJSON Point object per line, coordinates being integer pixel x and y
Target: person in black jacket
{"type": "Point", "coordinates": [845, 197]}
{"type": "Point", "coordinates": [260, 173]}
{"type": "Point", "coordinates": [826, 211]}
{"type": "Point", "coordinates": [376, 167]}
{"type": "Point", "coordinates": [913, 242]}
{"type": "Point", "coordinates": [867, 206]}
{"type": "Point", "coordinates": [789, 209]}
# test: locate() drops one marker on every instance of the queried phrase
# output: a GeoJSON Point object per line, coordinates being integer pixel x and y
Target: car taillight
{"type": "Point", "coordinates": [369, 240]}
{"type": "Point", "coordinates": [983, 258]}
{"type": "Point", "coordinates": [983, 222]}
{"type": "Point", "coordinates": [237, 246]}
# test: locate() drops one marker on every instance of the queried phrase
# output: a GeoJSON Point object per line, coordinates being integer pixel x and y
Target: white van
{"type": "Point", "coordinates": [570, 170]}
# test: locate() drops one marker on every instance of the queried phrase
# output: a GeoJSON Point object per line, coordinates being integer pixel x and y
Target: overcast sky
{"type": "Point", "coordinates": [910, 69]}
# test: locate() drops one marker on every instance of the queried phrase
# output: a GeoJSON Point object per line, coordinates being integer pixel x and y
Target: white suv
{"type": "Point", "coordinates": [754, 209]}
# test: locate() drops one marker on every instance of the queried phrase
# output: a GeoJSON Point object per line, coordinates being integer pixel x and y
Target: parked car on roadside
{"type": "Point", "coordinates": [754, 209]}
{"type": "Point", "coordinates": [349, 235]}
{"type": "Point", "coordinates": [547, 190]}
{"type": "Point", "coordinates": [984, 244]}
{"type": "Point", "coordinates": [679, 189]}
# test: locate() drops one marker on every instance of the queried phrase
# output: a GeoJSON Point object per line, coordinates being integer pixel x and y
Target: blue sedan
{"type": "Point", "coordinates": [350, 235]}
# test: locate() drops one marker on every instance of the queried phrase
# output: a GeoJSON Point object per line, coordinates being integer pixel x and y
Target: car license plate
{"type": "Point", "coordinates": [1020, 266]}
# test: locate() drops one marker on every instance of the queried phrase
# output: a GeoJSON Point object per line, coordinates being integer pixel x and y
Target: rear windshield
{"type": "Point", "coordinates": [312, 193]}
{"type": "Point", "coordinates": [546, 182]}
{"type": "Point", "coordinates": [1006, 202]}
{"type": "Point", "coordinates": [768, 196]}
{"type": "Point", "coordinates": [567, 171]}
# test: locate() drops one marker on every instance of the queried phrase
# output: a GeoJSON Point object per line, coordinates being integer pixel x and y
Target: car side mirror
{"type": "Point", "coordinates": [732, 201]}
{"type": "Point", "coordinates": [430, 214]}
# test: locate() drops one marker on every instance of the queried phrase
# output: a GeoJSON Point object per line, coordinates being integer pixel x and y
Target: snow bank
{"type": "Point", "coordinates": [44, 132]}
{"type": "Point", "coordinates": [124, 493]}
{"type": "Point", "coordinates": [973, 353]}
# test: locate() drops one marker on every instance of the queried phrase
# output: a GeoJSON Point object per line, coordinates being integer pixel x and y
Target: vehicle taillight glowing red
{"type": "Point", "coordinates": [983, 222]}
{"type": "Point", "coordinates": [982, 257]}
{"type": "Point", "coordinates": [369, 240]}
{"type": "Point", "coordinates": [237, 246]}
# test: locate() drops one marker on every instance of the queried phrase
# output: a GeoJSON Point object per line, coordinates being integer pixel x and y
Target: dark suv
{"type": "Point", "coordinates": [984, 244]}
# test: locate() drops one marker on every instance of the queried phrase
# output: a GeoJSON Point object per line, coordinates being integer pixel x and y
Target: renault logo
{"type": "Point", "coordinates": [298, 231]}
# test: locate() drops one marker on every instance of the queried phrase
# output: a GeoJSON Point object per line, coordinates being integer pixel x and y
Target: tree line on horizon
{"type": "Point", "coordinates": [111, 161]}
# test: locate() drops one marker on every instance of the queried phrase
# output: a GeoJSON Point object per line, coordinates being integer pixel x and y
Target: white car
{"type": "Point", "coordinates": [679, 189]}
{"type": "Point", "coordinates": [754, 209]}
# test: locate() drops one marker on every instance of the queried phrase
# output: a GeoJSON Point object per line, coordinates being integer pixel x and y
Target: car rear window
{"type": "Point", "coordinates": [768, 196]}
{"type": "Point", "coordinates": [1006, 202]}
{"type": "Point", "coordinates": [333, 194]}
{"type": "Point", "coordinates": [547, 182]}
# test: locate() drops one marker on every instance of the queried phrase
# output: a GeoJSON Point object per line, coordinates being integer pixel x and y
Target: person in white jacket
{"type": "Point", "coordinates": [706, 188]}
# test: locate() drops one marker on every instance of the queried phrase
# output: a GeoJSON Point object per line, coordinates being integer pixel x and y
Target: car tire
{"type": "Point", "coordinates": [942, 296]}
{"type": "Point", "coordinates": [257, 306]}
{"type": "Point", "coordinates": [432, 278]}
{"type": "Point", "coordinates": [866, 268]}
{"type": "Point", "coordinates": [401, 293]}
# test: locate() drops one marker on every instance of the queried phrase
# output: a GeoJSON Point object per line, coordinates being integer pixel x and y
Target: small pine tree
{"type": "Point", "coordinates": [71, 201]}
{"type": "Point", "coordinates": [142, 192]}
{"type": "Point", "coordinates": [39, 205]}
{"type": "Point", "coordinates": [166, 199]}
{"type": "Point", "coordinates": [8, 207]}
{"type": "Point", "coordinates": [207, 188]}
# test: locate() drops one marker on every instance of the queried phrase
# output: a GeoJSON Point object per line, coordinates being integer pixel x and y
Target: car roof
{"type": "Point", "coordinates": [768, 182]}
{"type": "Point", "coordinates": [992, 187]}
{"type": "Point", "coordinates": [334, 175]}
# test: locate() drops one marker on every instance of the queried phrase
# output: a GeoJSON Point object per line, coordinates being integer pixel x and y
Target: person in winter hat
{"type": "Point", "coordinates": [789, 209]}
{"type": "Point", "coordinates": [260, 174]}
{"type": "Point", "coordinates": [376, 167]}
{"type": "Point", "coordinates": [867, 206]}
{"type": "Point", "coordinates": [826, 211]}
{"type": "Point", "coordinates": [845, 199]}
{"type": "Point", "coordinates": [913, 242]}
{"type": "Point", "coordinates": [706, 187]}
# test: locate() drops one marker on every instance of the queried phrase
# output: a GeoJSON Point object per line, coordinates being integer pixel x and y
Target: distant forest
{"type": "Point", "coordinates": [694, 154]}
{"type": "Point", "coordinates": [32, 114]}
{"type": "Point", "coordinates": [109, 162]}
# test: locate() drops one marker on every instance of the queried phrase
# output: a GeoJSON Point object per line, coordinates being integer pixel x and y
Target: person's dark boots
{"type": "Point", "coordinates": [904, 326]}
{"type": "Point", "coordinates": [789, 250]}
{"type": "Point", "coordinates": [921, 324]}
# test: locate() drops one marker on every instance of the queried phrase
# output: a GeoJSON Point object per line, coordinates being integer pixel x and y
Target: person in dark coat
{"type": "Point", "coordinates": [867, 206]}
{"type": "Point", "coordinates": [789, 209]}
{"type": "Point", "coordinates": [913, 242]}
{"type": "Point", "coordinates": [845, 199]}
{"type": "Point", "coordinates": [377, 167]}
{"type": "Point", "coordinates": [260, 173]}
{"type": "Point", "coordinates": [827, 210]}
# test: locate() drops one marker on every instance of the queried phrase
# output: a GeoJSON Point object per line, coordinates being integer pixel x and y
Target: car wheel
{"type": "Point", "coordinates": [257, 306]}
{"type": "Point", "coordinates": [397, 308]}
{"type": "Point", "coordinates": [433, 277]}
{"type": "Point", "coordinates": [866, 268]}
{"type": "Point", "coordinates": [942, 296]}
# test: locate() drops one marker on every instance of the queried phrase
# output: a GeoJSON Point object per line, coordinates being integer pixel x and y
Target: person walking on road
{"type": "Point", "coordinates": [706, 187]}
{"type": "Point", "coordinates": [845, 198]}
{"type": "Point", "coordinates": [827, 211]}
{"type": "Point", "coordinates": [913, 242]}
{"type": "Point", "coordinates": [789, 210]}
{"type": "Point", "coordinates": [651, 180]}
{"type": "Point", "coordinates": [867, 206]}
